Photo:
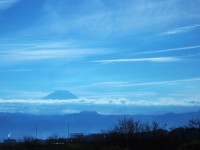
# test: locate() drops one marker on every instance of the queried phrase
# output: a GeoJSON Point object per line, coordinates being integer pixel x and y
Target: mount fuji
{"type": "Point", "coordinates": [60, 95]}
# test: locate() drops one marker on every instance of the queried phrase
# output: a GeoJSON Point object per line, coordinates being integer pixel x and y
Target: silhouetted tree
{"type": "Point", "coordinates": [155, 126]}
{"type": "Point", "coordinates": [194, 123]}
{"type": "Point", "coordinates": [146, 127]}
{"type": "Point", "coordinates": [127, 126]}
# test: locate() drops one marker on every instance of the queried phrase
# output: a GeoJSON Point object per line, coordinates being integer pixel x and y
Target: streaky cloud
{"type": "Point", "coordinates": [125, 84]}
{"type": "Point", "coordinates": [43, 51]}
{"type": "Point", "coordinates": [168, 50]}
{"type": "Point", "coordinates": [16, 70]}
{"type": "Point", "coordinates": [180, 30]}
{"type": "Point", "coordinates": [153, 59]}
{"type": "Point", "coordinates": [162, 82]}
{"type": "Point", "coordinates": [120, 18]}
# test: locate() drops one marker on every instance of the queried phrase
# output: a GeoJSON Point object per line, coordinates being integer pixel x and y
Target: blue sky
{"type": "Point", "coordinates": [116, 56]}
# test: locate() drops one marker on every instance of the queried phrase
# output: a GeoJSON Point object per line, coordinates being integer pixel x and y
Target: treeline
{"type": "Point", "coordinates": [127, 134]}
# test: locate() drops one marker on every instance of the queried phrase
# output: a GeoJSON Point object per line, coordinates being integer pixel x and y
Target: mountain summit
{"type": "Point", "coordinates": [60, 95]}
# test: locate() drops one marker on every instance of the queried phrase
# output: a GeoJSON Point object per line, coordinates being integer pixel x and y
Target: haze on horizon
{"type": "Point", "coordinates": [117, 57]}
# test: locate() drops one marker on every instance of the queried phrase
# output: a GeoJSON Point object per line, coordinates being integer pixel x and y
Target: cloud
{"type": "Point", "coordinates": [153, 59]}
{"type": "Point", "coordinates": [4, 4]}
{"type": "Point", "coordinates": [164, 82]}
{"type": "Point", "coordinates": [112, 83]}
{"type": "Point", "coordinates": [101, 104]}
{"type": "Point", "coordinates": [126, 84]}
{"type": "Point", "coordinates": [164, 101]}
{"type": "Point", "coordinates": [101, 18]}
{"type": "Point", "coordinates": [180, 30]}
{"type": "Point", "coordinates": [43, 51]}
{"type": "Point", "coordinates": [16, 70]}
{"type": "Point", "coordinates": [48, 54]}
{"type": "Point", "coordinates": [168, 50]}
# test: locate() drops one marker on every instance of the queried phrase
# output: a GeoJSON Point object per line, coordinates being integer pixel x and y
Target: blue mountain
{"type": "Point", "coordinates": [60, 95]}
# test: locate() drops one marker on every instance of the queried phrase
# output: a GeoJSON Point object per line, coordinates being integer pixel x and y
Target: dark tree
{"type": "Point", "coordinates": [127, 126]}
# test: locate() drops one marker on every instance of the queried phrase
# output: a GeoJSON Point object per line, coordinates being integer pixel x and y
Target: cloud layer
{"type": "Point", "coordinates": [101, 105]}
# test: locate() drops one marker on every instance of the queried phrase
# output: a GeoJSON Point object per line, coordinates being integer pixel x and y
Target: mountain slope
{"type": "Point", "coordinates": [60, 95]}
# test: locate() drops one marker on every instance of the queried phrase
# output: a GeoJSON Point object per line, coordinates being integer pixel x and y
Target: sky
{"type": "Point", "coordinates": [118, 57]}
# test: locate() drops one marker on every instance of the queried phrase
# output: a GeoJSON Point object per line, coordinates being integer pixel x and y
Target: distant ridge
{"type": "Point", "coordinates": [60, 95]}
{"type": "Point", "coordinates": [84, 122]}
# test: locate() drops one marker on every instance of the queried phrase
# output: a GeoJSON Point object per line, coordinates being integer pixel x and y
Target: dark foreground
{"type": "Point", "coordinates": [128, 134]}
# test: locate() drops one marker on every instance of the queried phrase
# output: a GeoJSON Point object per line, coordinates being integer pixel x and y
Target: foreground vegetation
{"type": "Point", "coordinates": [127, 134]}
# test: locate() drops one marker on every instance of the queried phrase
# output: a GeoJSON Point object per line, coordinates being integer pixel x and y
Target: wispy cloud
{"type": "Point", "coordinates": [16, 70]}
{"type": "Point", "coordinates": [43, 51]}
{"type": "Point", "coordinates": [163, 82]}
{"type": "Point", "coordinates": [126, 84]}
{"type": "Point", "coordinates": [153, 59]}
{"type": "Point", "coordinates": [7, 3]}
{"type": "Point", "coordinates": [180, 30]}
{"type": "Point", "coordinates": [47, 54]}
{"type": "Point", "coordinates": [168, 50]}
{"type": "Point", "coordinates": [112, 83]}
{"type": "Point", "coordinates": [119, 18]}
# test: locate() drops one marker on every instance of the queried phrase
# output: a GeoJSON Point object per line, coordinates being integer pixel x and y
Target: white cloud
{"type": "Point", "coordinates": [168, 50]}
{"type": "Point", "coordinates": [43, 51]}
{"type": "Point", "coordinates": [111, 83]}
{"type": "Point", "coordinates": [4, 4]}
{"type": "Point", "coordinates": [49, 54]}
{"type": "Point", "coordinates": [127, 17]}
{"type": "Point", "coordinates": [163, 82]}
{"type": "Point", "coordinates": [153, 59]}
{"type": "Point", "coordinates": [16, 70]}
{"type": "Point", "coordinates": [180, 30]}
{"type": "Point", "coordinates": [165, 101]}
{"type": "Point", "coordinates": [127, 84]}
{"type": "Point", "coordinates": [101, 104]}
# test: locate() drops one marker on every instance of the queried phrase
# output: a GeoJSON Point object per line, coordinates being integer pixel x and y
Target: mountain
{"type": "Point", "coordinates": [60, 95]}
{"type": "Point", "coordinates": [21, 125]}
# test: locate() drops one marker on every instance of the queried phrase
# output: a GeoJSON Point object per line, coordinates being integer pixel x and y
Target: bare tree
{"type": "Point", "coordinates": [146, 127]}
{"type": "Point", "coordinates": [194, 123]}
{"type": "Point", "coordinates": [127, 126]}
{"type": "Point", "coordinates": [155, 126]}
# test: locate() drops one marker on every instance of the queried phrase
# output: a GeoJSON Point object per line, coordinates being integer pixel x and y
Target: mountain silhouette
{"type": "Point", "coordinates": [60, 95]}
